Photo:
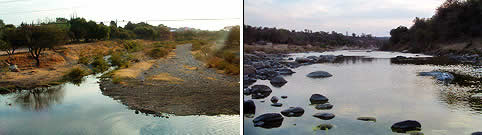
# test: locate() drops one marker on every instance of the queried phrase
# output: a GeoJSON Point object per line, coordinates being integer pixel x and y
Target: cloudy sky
{"type": "Point", "coordinates": [18, 11]}
{"type": "Point", "coordinates": [375, 17]}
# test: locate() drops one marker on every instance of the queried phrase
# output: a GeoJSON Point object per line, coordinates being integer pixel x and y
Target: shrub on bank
{"type": "Point", "coordinates": [131, 46]}
{"type": "Point", "coordinates": [99, 64]}
{"type": "Point", "coordinates": [84, 60]}
{"type": "Point", "coordinates": [158, 52]}
{"type": "Point", "coordinates": [75, 75]}
{"type": "Point", "coordinates": [120, 60]}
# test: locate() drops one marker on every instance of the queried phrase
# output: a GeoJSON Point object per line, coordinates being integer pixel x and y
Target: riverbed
{"type": "Point", "coordinates": [82, 109]}
{"type": "Point", "coordinates": [369, 85]}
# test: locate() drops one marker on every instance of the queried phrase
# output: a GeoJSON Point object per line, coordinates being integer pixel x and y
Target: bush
{"type": "Point", "coordinates": [75, 75]}
{"type": "Point", "coordinates": [198, 44]}
{"type": "Point", "coordinates": [120, 60]}
{"type": "Point", "coordinates": [131, 46]}
{"type": "Point", "coordinates": [99, 64]}
{"type": "Point", "coordinates": [158, 52]}
{"type": "Point", "coordinates": [84, 60]}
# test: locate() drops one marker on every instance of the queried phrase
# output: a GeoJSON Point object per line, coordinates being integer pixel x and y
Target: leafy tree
{"type": "Point", "coordinates": [41, 37]}
{"type": "Point", "coordinates": [79, 28]}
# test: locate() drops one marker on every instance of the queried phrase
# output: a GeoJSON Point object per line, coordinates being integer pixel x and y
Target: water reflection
{"type": "Point", "coordinates": [39, 99]}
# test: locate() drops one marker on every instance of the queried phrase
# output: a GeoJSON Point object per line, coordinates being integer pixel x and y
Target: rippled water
{"type": "Point", "coordinates": [369, 86]}
{"type": "Point", "coordinates": [82, 109]}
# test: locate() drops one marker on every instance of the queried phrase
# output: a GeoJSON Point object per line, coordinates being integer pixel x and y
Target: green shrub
{"type": "Point", "coordinates": [99, 64]}
{"type": "Point", "coordinates": [84, 60]}
{"type": "Point", "coordinates": [75, 75]}
{"type": "Point", "coordinates": [158, 52]}
{"type": "Point", "coordinates": [131, 46]}
{"type": "Point", "coordinates": [120, 60]}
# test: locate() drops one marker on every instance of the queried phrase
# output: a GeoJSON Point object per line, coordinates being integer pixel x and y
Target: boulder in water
{"type": "Point", "coordinates": [293, 112]}
{"type": "Point", "coordinates": [404, 126]}
{"type": "Point", "coordinates": [278, 81]}
{"type": "Point", "coordinates": [268, 120]}
{"type": "Point", "coordinates": [274, 99]}
{"type": "Point", "coordinates": [324, 116]}
{"type": "Point", "coordinates": [318, 99]}
{"type": "Point", "coordinates": [319, 74]}
{"type": "Point", "coordinates": [325, 106]}
{"type": "Point", "coordinates": [249, 107]}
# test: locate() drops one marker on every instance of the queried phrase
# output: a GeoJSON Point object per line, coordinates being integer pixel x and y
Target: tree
{"type": "Point", "coordinates": [78, 27]}
{"type": "Point", "coordinates": [41, 37]}
{"type": "Point", "coordinates": [233, 36]}
{"type": "Point", "coordinates": [12, 39]}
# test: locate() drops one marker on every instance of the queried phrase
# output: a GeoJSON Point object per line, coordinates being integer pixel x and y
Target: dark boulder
{"type": "Point", "coordinates": [293, 112]}
{"type": "Point", "coordinates": [318, 99]}
{"type": "Point", "coordinates": [278, 81]}
{"type": "Point", "coordinates": [274, 99]}
{"type": "Point", "coordinates": [324, 116]}
{"type": "Point", "coordinates": [248, 80]}
{"type": "Point", "coordinates": [476, 133]}
{"type": "Point", "coordinates": [268, 120]}
{"type": "Point", "coordinates": [302, 60]}
{"type": "Point", "coordinates": [319, 74]}
{"type": "Point", "coordinates": [248, 69]}
{"type": "Point", "coordinates": [285, 71]}
{"type": "Point", "coordinates": [284, 97]}
{"type": "Point", "coordinates": [260, 91]}
{"type": "Point", "coordinates": [408, 125]}
{"type": "Point", "coordinates": [249, 107]}
{"type": "Point", "coordinates": [325, 106]}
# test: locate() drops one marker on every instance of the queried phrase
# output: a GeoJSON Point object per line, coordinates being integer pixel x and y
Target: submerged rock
{"type": "Point", "coordinates": [404, 126]}
{"type": "Point", "coordinates": [367, 119]}
{"type": "Point", "coordinates": [319, 74]}
{"type": "Point", "coordinates": [318, 99]}
{"type": "Point", "coordinates": [325, 106]}
{"type": "Point", "coordinates": [324, 116]}
{"type": "Point", "coordinates": [324, 127]}
{"type": "Point", "coordinates": [441, 76]}
{"type": "Point", "coordinates": [277, 104]}
{"type": "Point", "coordinates": [268, 120]}
{"type": "Point", "coordinates": [293, 112]}
{"type": "Point", "coordinates": [284, 97]}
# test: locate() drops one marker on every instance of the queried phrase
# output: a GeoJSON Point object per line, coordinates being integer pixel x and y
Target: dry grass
{"type": "Point", "coordinates": [166, 77]}
{"type": "Point", "coordinates": [190, 68]}
{"type": "Point", "coordinates": [134, 70]}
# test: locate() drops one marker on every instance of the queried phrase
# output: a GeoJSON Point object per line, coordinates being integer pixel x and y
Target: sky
{"type": "Point", "coordinates": [18, 11]}
{"type": "Point", "coordinates": [376, 17]}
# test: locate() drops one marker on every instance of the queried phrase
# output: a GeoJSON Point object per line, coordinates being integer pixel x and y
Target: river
{"type": "Point", "coordinates": [369, 85]}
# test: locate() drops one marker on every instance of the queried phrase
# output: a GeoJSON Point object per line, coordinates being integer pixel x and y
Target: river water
{"type": "Point", "coordinates": [83, 110]}
{"type": "Point", "coordinates": [372, 86]}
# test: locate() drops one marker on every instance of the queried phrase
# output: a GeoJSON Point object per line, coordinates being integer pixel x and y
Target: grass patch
{"type": "Point", "coordinates": [84, 59]}
{"type": "Point", "coordinates": [117, 80]}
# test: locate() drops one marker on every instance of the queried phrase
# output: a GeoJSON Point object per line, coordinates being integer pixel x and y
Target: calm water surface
{"type": "Point", "coordinates": [83, 110]}
{"type": "Point", "coordinates": [369, 86]}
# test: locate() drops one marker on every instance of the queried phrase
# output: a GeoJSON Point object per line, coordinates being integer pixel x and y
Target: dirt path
{"type": "Point", "coordinates": [179, 85]}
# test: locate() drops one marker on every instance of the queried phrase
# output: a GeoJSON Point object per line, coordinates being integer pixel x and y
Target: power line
{"type": "Point", "coordinates": [11, 1]}
{"type": "Point", "coordinates": [34, 11]}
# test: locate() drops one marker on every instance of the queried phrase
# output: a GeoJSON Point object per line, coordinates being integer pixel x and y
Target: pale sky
{"type": "Point", "coordinates": [375, 17]}
{"type": "Point", "coordinates": [17, 11]}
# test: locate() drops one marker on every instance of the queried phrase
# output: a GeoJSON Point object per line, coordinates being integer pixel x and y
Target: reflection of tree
{"type": "Point", "coordinates": [352, 60]}
{"type": "Point", "coordinates": [40, 98]}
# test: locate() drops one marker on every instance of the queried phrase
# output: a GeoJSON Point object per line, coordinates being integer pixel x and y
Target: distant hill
{"type": "Point", "coordinates": [456, 27]}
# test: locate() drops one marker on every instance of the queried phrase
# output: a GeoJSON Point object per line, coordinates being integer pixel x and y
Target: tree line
{"type": "Point", "coordinates": [453, 21]}
{"type": "Point", "coordinates": [319, 38]}
{"type": "Point", "coordinates": [46, 35]}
